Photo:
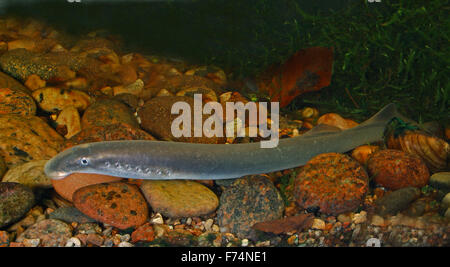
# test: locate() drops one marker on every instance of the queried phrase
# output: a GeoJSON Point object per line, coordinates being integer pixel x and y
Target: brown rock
{"type": "Point", "coordinates": [118, 204]}
{"type": "Point", "coordinates": [144, 232]}
{"type": "Point", "coordinates": [34, 82]}
{"type": "Point", "coordinates": [156, 118]}
{"type": "Point", "coordinates": [69, 119]}
{"type": "Point", "coordinates": [52, 233]}
{"type": "Point", "coordinates": [179, 198]}
{"type": "Point", "coordinates": [16, 102]}
{"type": "Point", "coordinates": [395, 169]}
{"type": "Point", "coordinates": [108, 111]}
{"type": "Point", "coordinates": [118, 131]}
{"type": "Point", "coordinates": [7, 81]}
{"type": "Point", "coordinates": [25, 138]}
{"type": "Point", "coordinates": [336, 120]}
{"type": "Point", "coordinates": [332, 183]}
{"type": "Point", "coordinates": [30, 174]}
{"type": "Point", "coordinates": [52, 99]}
{"type": "Point", "coordinates": [67, 186]}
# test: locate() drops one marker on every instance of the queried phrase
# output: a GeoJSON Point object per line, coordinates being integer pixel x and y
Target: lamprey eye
{"type": "Point", "coordinates": [84, 161]}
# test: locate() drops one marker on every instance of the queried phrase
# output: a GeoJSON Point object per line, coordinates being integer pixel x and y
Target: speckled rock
{"type": "Point", "coordinates": [16, 102]}
{"type": "Point", "coordinates": [3, 167]}
{"type": "Point", "coordinates": [172, 81]}
{"type": "Point", "coordinates": [26, 138]}
{"type": "Point", "coordinates": [108, 111]}
{"type": "Point", "coordinates": [396, 201]}
{"type": "Point", "coordinates": [52, 99]}
{"type": "Point", "coordinates": [395, 169]}
{"type": "Point", "coordinates": [21, 63]}
{"type": "Point", "coordinates": [118, 131]}
{"type": "Point", "coordinates": [16, 201]}
{"type": "Point", "coordinates": [67, 186]}
{"type": "Point", "coordinates": [249, 200]}
{"type": "Point", "coordinates": [4, 239]}
{"type": "Point", "coordinates": [156, 118]}
{"type": "Point", "coordinates": [69, 215]}
{"type": "Point", "coordinates": [118, 204]}
{"type": "Point", "coordinates": [30, 174]}
{"type": "Point", "coordinates": [130, 100]}
{"type": "Point", "coordinates": [179, 198]}
{"type": "Point", "coordinates": [7, 81]}
{"type": "Point", "coordinates": [52, 233]}
{"type": "Point", "coordinates": [332, 183]}
{"type": "Point", "coordinates": [441, 181]}
{"type": "Point", "coordinates": [144, 232]}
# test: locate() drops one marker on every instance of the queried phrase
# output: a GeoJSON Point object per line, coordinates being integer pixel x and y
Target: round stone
{"type": "Point", "coordinates": [179, 198]}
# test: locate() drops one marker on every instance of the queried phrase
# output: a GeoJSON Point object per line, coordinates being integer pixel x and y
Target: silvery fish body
{"type": "Point", "coordinates": [160, 160]}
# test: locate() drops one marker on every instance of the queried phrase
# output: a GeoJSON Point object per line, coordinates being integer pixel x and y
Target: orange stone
{"type": "Point", "coordinates": [118, 204]}
{"type": "Point", "coordinates": [143, 233]}
{"type": "Point", "coordinates": [67, 186]}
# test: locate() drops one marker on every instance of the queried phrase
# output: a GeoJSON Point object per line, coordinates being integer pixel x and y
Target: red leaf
{"type": "Point", "coordinates": [307, 70]}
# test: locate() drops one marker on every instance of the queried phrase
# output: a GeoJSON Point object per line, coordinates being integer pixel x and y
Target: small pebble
{"type": "Point", "coordinates": [318, 224]}
{"type": "Point", "coordinates": [31, 242]}
{"type": "Point", "coordinates": [73, 242]}
{"type": "Point", "coordinates": [157, 219]}
{"type": "Point", "coordinates": [244, 242]}
{"type": "Point", "coordinates": [125, 244]}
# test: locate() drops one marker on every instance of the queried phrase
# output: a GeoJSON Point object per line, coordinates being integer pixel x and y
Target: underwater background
{"type": "Point", "coordinates": [387, 51]}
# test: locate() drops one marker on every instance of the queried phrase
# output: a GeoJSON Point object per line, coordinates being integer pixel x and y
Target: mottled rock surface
{"type": "Point", "coordinates": [249, 200]}
{"type": "Point", "coordinates": [16, 200]}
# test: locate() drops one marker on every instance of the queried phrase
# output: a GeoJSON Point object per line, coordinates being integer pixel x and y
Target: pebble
{"type": "Point", "coordinates": [3, 167]}
{"type": "Point", "coordinates": [125, 245]}
{"type": "Point", "coordinates": [21, 63]}
{"type": "Point", "coordinates": [7, 81]}
{"type": "Point", "coordinates": [339, 187]}
{"type": "Point", "coordinates": [359, 218]}
{"type": "Point", "coordinates": [156, 118]}
{"type": "Point", "coordinates": [30, 174]}
{"type": "Point", "coordinates": [67, 186]}
{"type": "Point", "coordinates": [397, 201]}
{"type": "Point", "coordinates": [118, 131]}
{"type": "Point", "coordinates": [244, 242]}
{"type": "Point", "coordinates": [445, 203]}
{"type": "Point", "coordinates": [53, 99]}
{"type": "Point", "coordinates": [52, 233]}
{"type": "Point", "coordinates": [118, 204]}
{"type": "Point", "coordinates": [73, 242]}
{"type": "Point", "coordinates": [69, 215]}
{"type": "Point", "coordinates": [344, 218]}
{"type": "Point", "coordinates": [249, 200]}
{"type": "Point", "coordinates": [318, 224]}
{"type": "Point", "coordinates": [377, 220]}
{"type": "Point", "coordinates": [144, 232]}
{"type": "Point", "coordinates": [88, 228]}
{"type": "Point", "coordinates": [208, 224]}
{"type": "Point", "coordinates": [157, 219]}
{"type": "Point", "coordinates": [441, 181]}
{"type": "Point", "coordinates": [395, 169]}
{"type": "Point", "coordinates": [4, 239]}
{"type": "Point", "coordinates": [106, 111]}
{"type": "Point", "coordinates": [94, 239]}
{"type": "Point", "coordinates": [31, 242]}
{"type": "Point", "coordinates": [26, 138]}
{"type": "Point", "coordinates": [179, 198]}
{"type": "Point", "coordinates": [69, 120]}
{"type": "Point", "coordinates": [16, 102]}
{"type": "Point", "coordinates": [16, 201]}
